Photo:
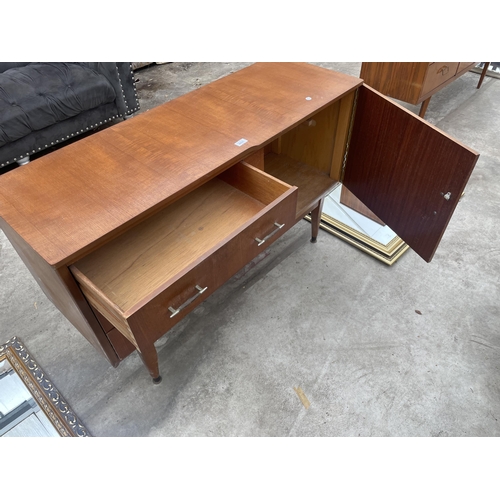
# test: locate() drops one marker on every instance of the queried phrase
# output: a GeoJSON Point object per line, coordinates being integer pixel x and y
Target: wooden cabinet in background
{"type": "Point", "coordinates": [412, 82]}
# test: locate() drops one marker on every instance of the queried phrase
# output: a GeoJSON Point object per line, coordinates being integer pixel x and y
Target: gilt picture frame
{"type": "Point", "coordinates": [45, 398]}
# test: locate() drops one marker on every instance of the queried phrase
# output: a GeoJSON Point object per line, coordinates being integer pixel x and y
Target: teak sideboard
{"type": "Point", "coordinates": [413, 82]}
{"type": "Point", "coordinates": [127, 230]}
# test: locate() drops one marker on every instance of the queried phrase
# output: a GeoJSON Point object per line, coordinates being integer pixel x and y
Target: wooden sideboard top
{"type": "Point", "coordinates": [69, 202]}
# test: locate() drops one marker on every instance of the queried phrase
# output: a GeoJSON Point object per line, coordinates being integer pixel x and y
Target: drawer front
{"type": "Point", "coordinates": [162, 312]}
{"type": "Point", "coordinates": [256, 206]}
{"type": "Point", "coordinates": [463, 66]}
{"type": "Point", "coordinates": [437, 74]}
{"type": "Point", "coordinates": [264, 231]}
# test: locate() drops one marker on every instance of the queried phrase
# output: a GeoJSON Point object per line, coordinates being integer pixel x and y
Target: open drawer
{"type": "Point", "coordinates": [147, 279]}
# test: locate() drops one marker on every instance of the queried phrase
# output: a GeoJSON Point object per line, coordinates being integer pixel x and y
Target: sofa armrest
{"type": "Point", "coordinates": [128, 85]}
{"type": "Point", "coordinates": [121, 77]}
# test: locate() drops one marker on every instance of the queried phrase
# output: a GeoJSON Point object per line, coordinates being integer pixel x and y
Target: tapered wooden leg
{"type": "Point", "coordinates": [146, 350]}
{"type": "Point", "coordinates": [150, 359]}
{"type": "Point", "coordinates": [423, 108]}
{"type": "Point", "coordinates": [316, 219]}
{"type": "Point", "coordinates": [483, 74]}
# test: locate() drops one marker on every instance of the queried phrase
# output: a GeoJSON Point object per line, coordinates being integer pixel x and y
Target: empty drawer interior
{"type": "Point", "coordinates": [160, 249]}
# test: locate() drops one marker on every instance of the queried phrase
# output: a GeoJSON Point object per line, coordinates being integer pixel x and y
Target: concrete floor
{"type": "Point", "coordinates": [324, 318]}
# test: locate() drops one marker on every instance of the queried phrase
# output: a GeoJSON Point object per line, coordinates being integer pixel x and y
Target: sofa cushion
{"type": "Point", "coordinates": [41, 94]}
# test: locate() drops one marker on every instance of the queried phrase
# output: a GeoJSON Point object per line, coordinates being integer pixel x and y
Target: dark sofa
{"type": "Point", "coordinates": [45, 104]}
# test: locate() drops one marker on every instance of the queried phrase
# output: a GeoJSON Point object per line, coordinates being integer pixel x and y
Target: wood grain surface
{"type": "Point", "coordinates": [400, 80]}
{"type": "Point", "coordinates": [134, 265]}
{"type": "Point", "coordinates": [401, 167]}
{"type": "Point", "coordinates": [412, 82]}
{"type": "Point", "coordinates": [312, 184]}
{"type": "Point", "coordinates": [212, 270]}
{"type": "Point", "coordinates": [73, 200]}
{"type": "Point", "coordinates": [349, 200]}
{"type": "Point", "coordinates": [60, 287]}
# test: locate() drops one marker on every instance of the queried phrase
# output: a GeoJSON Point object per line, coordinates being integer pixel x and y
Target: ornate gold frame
{"type": "Point", "coordinates": [388, 254]}
{"type": "Point", "coordinates": [62, 417]}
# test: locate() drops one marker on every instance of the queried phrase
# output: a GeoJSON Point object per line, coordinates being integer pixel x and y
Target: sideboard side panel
{"type": "Point", "coordinates": [63, 291]}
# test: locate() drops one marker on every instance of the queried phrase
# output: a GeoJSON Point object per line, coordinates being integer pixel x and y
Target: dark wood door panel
{"type": "Point", "coordinates": [409, 173]}
{"type": "Point", "coordinates": [350, 201]}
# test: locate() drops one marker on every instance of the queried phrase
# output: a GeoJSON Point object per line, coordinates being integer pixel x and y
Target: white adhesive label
{"type": "Point", "coordinates": [240, 142]}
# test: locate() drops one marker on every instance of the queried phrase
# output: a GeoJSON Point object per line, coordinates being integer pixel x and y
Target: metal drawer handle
{"type": "Point", "coordinates": [177, 311]}
{"type": "Point", "coordinates": [270, 235]}
{"type": "Point", "coordinates": [443, 70]}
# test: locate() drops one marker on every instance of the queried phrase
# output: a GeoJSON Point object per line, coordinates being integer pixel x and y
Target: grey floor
{"type": "Point", "coordinates": [324, 317]}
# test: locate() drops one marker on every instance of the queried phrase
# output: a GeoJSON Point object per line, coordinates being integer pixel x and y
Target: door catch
{"type": "Point", "coordinates": [447, 196]}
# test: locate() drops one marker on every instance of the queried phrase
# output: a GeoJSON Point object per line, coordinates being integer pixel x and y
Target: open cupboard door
{"type": "Point", "coordinates": [409, 173]}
